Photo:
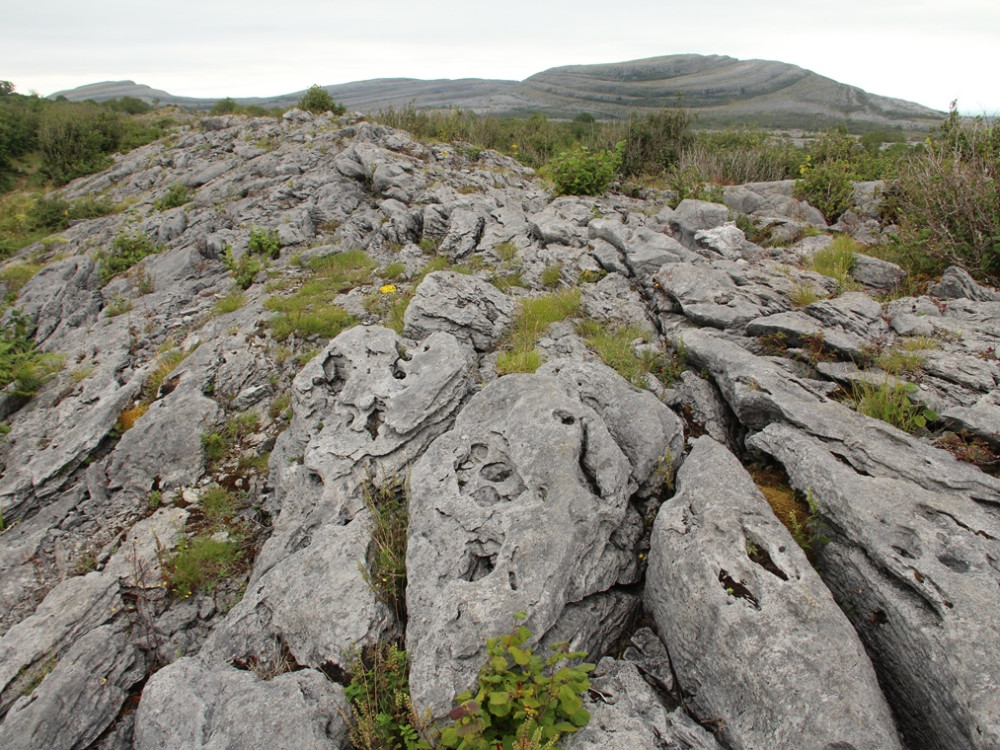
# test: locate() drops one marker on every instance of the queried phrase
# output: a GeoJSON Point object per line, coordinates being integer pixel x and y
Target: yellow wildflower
{"type": "Point", "coordinates": [387, 288]}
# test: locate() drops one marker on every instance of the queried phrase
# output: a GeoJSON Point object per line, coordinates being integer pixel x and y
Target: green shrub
{"type": "Point", "coordinates": [522, 700]}
{"type": "Point", "coordinates": [891, 403]}
{"type": "Point", "coordinates": [214, 446]}
{"type": "Point", "coordinates": [76, 139]}
{"type": "Point", "coordinates": [946, 199]}
{"type": "Point", "coordinates": [654, 143]}
{"type": "Point", "coordinates": [227, 106]}
{"type": "Point", "coordinates": [176, 196]}
{"type": "Point", "coordinates": [20, 363]}
{"type": "Point", "coordinates": [578, 171]}
{"type": "Point", "coordinates": [827, 186]}
{"type": "Point", "coordinates": [318, 100]}
{"type": "Point", "coordinates": [264, 242]}
{"type": "Point", "coordinates": [126, 250]}
{"type": "Point", "coordinates": [244, 270]}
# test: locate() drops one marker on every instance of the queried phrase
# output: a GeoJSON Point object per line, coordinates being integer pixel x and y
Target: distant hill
{"type": "Point", "coordinates": [720, 90]}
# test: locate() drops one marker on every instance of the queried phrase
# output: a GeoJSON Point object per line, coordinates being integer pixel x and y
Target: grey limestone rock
{"type": "Point", "coordinates": [523, 505]}
{"type": "Point", "coordinates": [81, 696]}
{"type": "Point", "coordinates": [192, 705]}
{"type": "Point", "coordinates": [626, 714]}
{"type": "Point", "coordinates": [915, 570]}
{"type": "Point", "coordinates": [467, 307]}
{"type": "Point", "coordinates": [757, 643]}
{"type": "Point", "coordinates": [691, 216]}
{"type": "Point", "coordinates": [956, 283]}
{"type": "Point", "coordinates": [879, 276]}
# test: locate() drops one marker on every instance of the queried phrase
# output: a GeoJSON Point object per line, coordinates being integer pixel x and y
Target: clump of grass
{"type": "Point", "coordinates": [551, 276]}
{"type": "Point", "coordinates": [900, 362]}
{"type": "Point", "coordinates": [200, 564]}
{"type": "Point", "coordinates": [891, 403]}
{"type": "Point", "coordinates": [385, 568]}
{"type": "Point", "coordinates": [798, 514]}
{"type": "Point", "coordinates": [535, 315]}
{"type": "Point", "coordinates": [230, 303]}
{"type": "Point", "coordinates": [166, 362]}
{"type": "Point", "coordinates": [616, 346]}
{"type": "Point", "coordinates": [15, 275]}
{"type": "Point", "coordinates": [20, 363]}
{"type": "Point", "coordinates": [836, 261]}
{"type": "Point", "coordinates": [128, 418]}
{"type": "Point", "coordinates": [218, 505]}
{"type": "Point", "coordinates": [918, 343]}
{"type": "Point", "coordinates": [803, 294]}
{"type": "Point", "coordinates": [311, 310]}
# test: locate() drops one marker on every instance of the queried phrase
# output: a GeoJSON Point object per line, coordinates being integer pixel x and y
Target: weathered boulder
{"type": "Point", "coordinates": [191, 705]}
{"type": "Point", "coordinates": [956, 283]}
{"type": "Point", "coordinates": [80, 697]}
{"type": "Point", "coordinates": [756, 642]}
{"type": "Point", "coordinates": [691, 216]}
{"type": "Point", "coordinates": [467, 307]}
{"type": "Point", "coordinates": [626, 714]}
{"type": "Point", "coordinates": [915, 570]}
{"type": "Point", "coordinates": [522, 506]}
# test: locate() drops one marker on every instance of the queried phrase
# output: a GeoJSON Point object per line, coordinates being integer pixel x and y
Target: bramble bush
{"type": "Point", "coordinates": [579, 171]}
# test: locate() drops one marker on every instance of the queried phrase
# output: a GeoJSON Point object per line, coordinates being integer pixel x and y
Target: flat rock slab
{"type": "Point", "coordinates": [756, 641]}
{"type": "Point", "coordinates": [522, 506]}
{"type": "Point", "coordinates": [916, 571]}
{"type": "Point", "coordinates": [191, 705]}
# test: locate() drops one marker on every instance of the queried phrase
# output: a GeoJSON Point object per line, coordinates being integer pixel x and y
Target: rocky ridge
{"type": "Point", "coordinates": [622, 519]}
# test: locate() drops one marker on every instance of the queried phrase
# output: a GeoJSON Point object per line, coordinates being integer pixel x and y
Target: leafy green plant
{"type": "Point", "coordinates": [214, 446]}
{"type": "Point", "coordinates": [318, 100]}
{"type": "Point", "coordinates": [522, 700]}
{"type": "Point", "coordinates": [20, 363]}
{"type": "Point", "coordinates": [244, 270]}
{"type": "Point", "coordinates": [827, 186]}
{"type": "Point", "coordinates": [176, 196]}
{"type": "Point", "coordinates": [383, 717]}
{"type": "Point", "coordinates": [891, 403]}
{"type": "Point", "coordinates": [264, 242]}
{"type": "Point", "coordinates": [126, 250]}
{"type": "Point", "coordinates": [579, 171]}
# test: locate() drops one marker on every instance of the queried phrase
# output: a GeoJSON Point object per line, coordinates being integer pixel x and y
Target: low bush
{"type": "Point", "coordinates": [126, 250]}
{"type": "Point", "coordinates": [318, 100]}
{"type": "Point", "coordinates": [176, 196]}
{"type": "Point", "coordinates": [827, 186]}
{"type": "Point", "coordinates": [264, 242]}
{"type": "Point", "coordinates": [579, 171]}
{"type": "Point", "coordinates": [522, 700]}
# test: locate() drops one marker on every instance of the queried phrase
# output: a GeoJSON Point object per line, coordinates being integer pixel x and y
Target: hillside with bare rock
{"type": "Point", "coordinates": [351, 402]}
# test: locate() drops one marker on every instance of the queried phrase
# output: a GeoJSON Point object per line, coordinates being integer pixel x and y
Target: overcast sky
{"type": "Point", "coordinates": [923, 51]}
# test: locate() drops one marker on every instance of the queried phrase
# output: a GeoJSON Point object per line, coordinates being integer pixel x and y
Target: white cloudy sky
{"type": "Point", "coordinates": [925, 51]}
